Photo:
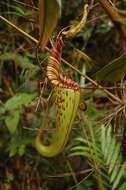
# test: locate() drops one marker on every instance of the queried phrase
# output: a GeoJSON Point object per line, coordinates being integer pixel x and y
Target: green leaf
{"type": "Point", "coordinates": [123, 186]}
{"type": "Point", "coordinates": [12, 121]}
{"type": "Point", "coordinates": [12, 146]}
{"type": "Point", "coordinates": [49, 12]}
{"type": "Point", "coordinates": [115, 172]}
{"type": "Point", "coordinates": [113, 71]}
{"type": "Point", "coordinates": [22, 11]}
{"type": "Point", "coordinates": [19, 100]}
{"type": "Point", "coordinates": [17, 10]}
{"type": "Point", "coordinates": [20, 60]}
{"type": "Point", "coordinates": [105, 157]}
{"type": "Point", "coordinates": [21, 150]}
{"type": "Point", "coordinates": [115, 157]}
{"type": "Point", "coordinates": [119, 176]}
{"type": "Point", "coordinates": [80, 150]}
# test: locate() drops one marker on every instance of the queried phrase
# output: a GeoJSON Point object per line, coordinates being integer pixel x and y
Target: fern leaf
{"type": "Point", "coordinates": [120, 174]}
{"type": "Point", "coordinates": [103, 152]}
{"type": "Point", "coordinates": [123, 186]}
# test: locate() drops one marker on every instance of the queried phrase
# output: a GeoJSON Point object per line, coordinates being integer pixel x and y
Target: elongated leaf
{"type": "Point", "coordinates": [115, 158]}
{"type": "Point", "coordinates": [80, 149]}
{"type": "Point", "coordinates": [12, 121]}
{"type": "Point", "coordinates": [111, 149]}
{"type": "Point", "coordinates": [79, 153]}
{"type": "Point", "coordinates": [21, 150]}
{"type": "Point", "coordinates": [22, 61]}
{"type": "Point", "coordinates": [49, 12]}
{"type": "Point", "coordinates": [123, 187]}
{"type": "Point", "coordinates": [120, 174]}
{"type": "Point", "coordinates": [113, 71]}
{"type": "Point", "coordinates": [17, 9]}
{"type": "Point", "coordinates": [108, 140]}
{"type": "Point", "coordinates": [115, 173]}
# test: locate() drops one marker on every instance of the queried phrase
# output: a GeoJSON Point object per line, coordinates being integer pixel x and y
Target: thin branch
{"type": "Point", "coordinates": [70, 174]}
{"type": "Point", "coordinates": [26, 5]}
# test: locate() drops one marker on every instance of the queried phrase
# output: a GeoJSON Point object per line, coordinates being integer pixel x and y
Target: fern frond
{"type": "Point", "coordinates": [103, 153]}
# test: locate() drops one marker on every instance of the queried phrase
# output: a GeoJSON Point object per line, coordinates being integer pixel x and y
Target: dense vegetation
{"type": "Point", "coordinates": [94, 157]}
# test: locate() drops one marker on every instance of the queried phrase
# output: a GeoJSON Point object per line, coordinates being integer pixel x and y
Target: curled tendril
{"type": "Point", "coordinates": [74, 29]}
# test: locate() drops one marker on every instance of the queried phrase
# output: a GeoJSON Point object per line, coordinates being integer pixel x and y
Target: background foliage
{"type": "Point", "coordinates": [95, 155]}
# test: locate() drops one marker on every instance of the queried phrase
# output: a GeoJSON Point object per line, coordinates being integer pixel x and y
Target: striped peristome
{"type": "Point", "coordinates": [53, 67]}
{"type": "Point", "coordinates": [54, 71]}
{"type": "Point", "coordinates": [67, 95]}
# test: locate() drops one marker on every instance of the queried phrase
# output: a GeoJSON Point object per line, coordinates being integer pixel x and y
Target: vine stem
{"type": "Point", "coordinates": [66, 62]}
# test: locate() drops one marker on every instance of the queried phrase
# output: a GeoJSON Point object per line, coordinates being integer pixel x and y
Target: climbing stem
{"type": "Point", "coordinates": [111, 10]}
{"type": "Point", "coordinates": [115, 14]}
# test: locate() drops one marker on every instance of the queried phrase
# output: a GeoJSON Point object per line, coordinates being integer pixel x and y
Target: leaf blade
{"type": "Point", "coordinates": [49, 13]}
{"type": "Point", "coordinates": [19, 100]}
{"type": "Point", "coordinates": [113, 71]}
{"type": "Point", "coordinates": [12, 121]}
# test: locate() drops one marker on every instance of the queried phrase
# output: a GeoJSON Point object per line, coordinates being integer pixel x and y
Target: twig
{"type": "Point", "coordinates": [26, 5]}
{"type": "Point", "coordinates": [81, 181]}
{"type": "Point", "coordinates": [70, 173]}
